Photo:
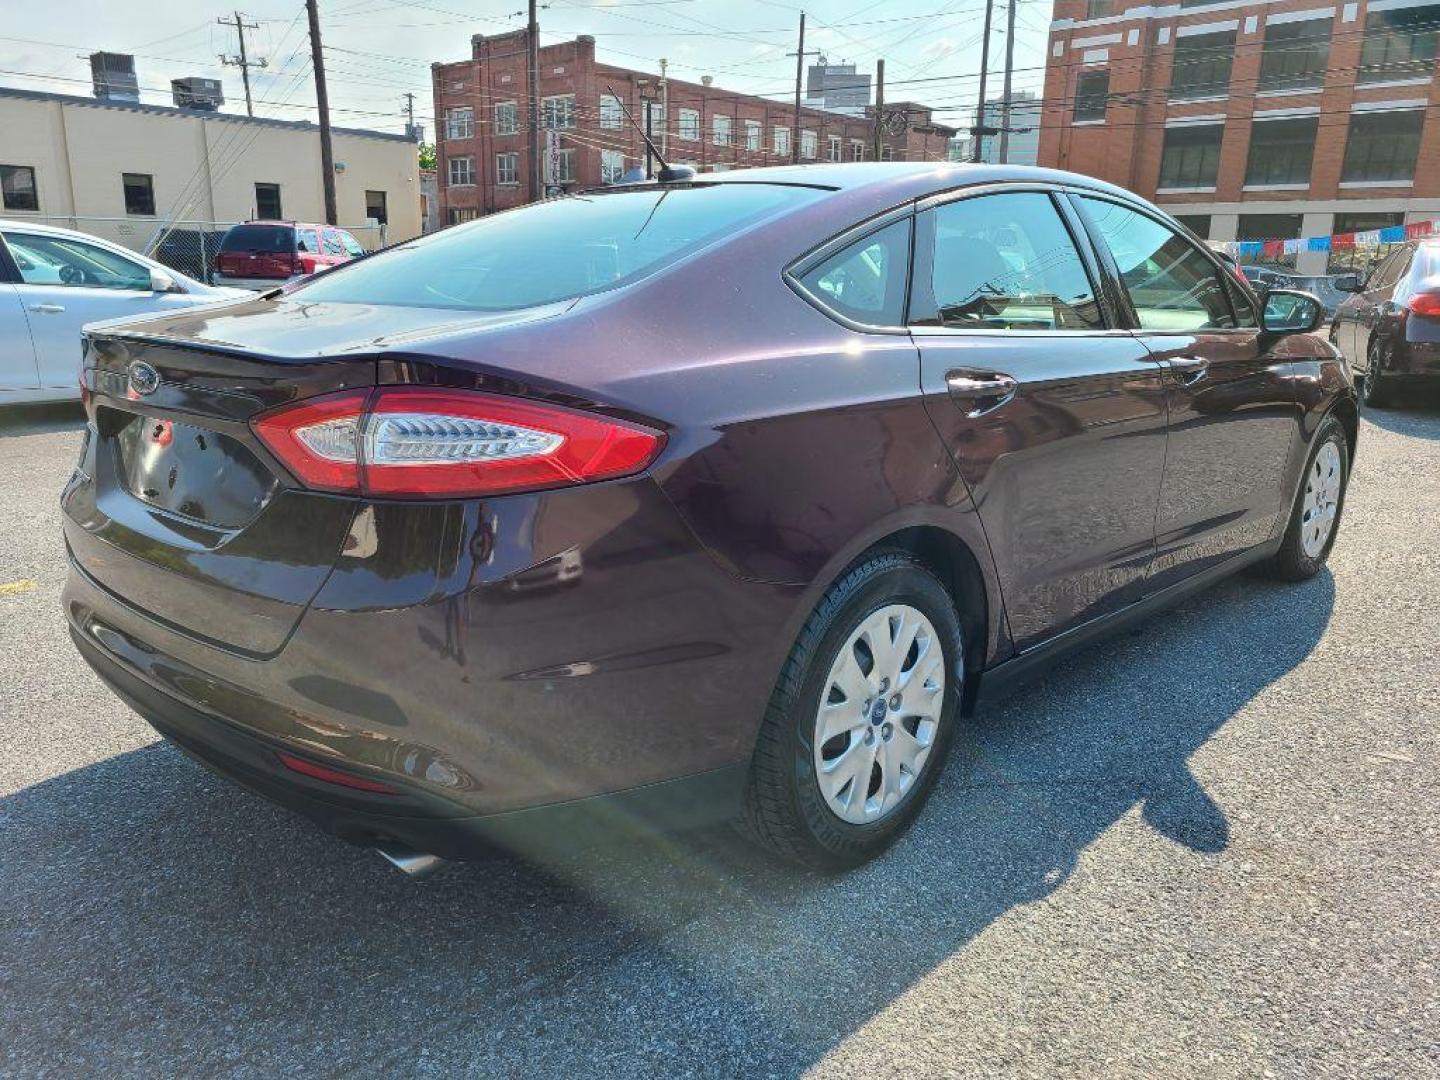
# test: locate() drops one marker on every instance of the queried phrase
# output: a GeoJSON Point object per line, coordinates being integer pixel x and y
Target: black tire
{"type": "Point", "coordinates": [1291, 563]}
{"type": "Point", "coordinates": [784, 807]}
{"type": "Point", "coordinates": [1375, 388]}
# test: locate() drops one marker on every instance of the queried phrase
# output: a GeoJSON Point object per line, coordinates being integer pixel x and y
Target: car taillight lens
{"type": "Point", "coordinates": [1426, 304]}
{"type": "Point", "coordinates": [414, 443]}
{"type": "Point", "coordinates": [333, 776]}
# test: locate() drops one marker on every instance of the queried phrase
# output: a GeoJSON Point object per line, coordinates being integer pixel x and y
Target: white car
{"type": "Point", "coordinates": [55, 281]}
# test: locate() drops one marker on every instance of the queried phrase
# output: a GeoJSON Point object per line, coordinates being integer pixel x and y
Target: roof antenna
{"type": "Point", "coordinates": [668, 174]}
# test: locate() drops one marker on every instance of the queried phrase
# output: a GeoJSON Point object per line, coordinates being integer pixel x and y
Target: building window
{"type": "Point", "coordinates": [887, 153]}
{"type": "Point", "coordinates": [375, 206]}
{"type": "Point", "coordinates": [689, 125]}
{"type": "Point", "coordinates": [139, 193]}
{"type": "Point", "coordinates": [460, 122]}
{"type": "Point", "coordinates": [1191, 157]}
{"type": "Point", "coordinates": [1281, 151]}
{"type": "Point", "coordinates": [1295, 55]}
{"type": "Point", "coordinates": [754, 133]}
{"type": "Point", "coordinates": [566, 174]}
{"type": "Point", "coordinates": [857, 149]}
{"type": "Point", "coordinates": [832, 148]}
{"type": "Point", "coordinates": [1202, 66]}
{"type": "Point", "coordinates": [507, 169]}
{"type": "Point", "coordinates": [1270, 227]}
{"type": "Point", "coordinates": [507, 118]}
{"type": "Point", "coordinates": [720, 130]}
{"type": "Point", "coordinates": [1092, 95]}
{"type": "Point", "coordinates": [1364, 221]}
{"type": "Point", "coordinates": [610, 115]}
{"type": "Point", "coordinates": [1199, 224]}
{"type": "Point", "coordinates": [267, 202]}
{"type": "Point", "coordinates": [17, 183]}
{"type": "Point", "coordinates": [1099, 9]}
{"type": "Point", "coordinates": [462, 172]}
{"type": "Point", "coordinates": [809, 145]}
{"type": "Point", "coordinates": [612, 166]}
{"type": "Point", "coordinates": [1382, 146]}
{"type": "Point", "coordinates": [782, 141]}
{"type": "Point", "coordinates": [558, 112]}
{"type": "Point", "coordinates": [458, 215]}
{"type": "Point", "coordinates": [1399, 44]}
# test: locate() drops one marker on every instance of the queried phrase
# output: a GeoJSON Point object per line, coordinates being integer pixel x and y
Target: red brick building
{"type": "Point", "coordinates": [483, 143]}
{"type": "Point", "coordinates": [1252, 120]}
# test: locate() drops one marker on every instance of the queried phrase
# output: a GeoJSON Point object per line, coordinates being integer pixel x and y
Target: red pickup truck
{"type": "Point", "coordinates": [264, 254]}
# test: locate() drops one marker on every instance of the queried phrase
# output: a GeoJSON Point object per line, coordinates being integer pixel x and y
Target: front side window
{"type": "Point", "coordinates": [1202, 66]}
{"type": "Point", "coordinates": [612, 166]}
{"type": "Point", "coordinates": [1191, 156]}
{"type": "Point", "coordinates": [507, 118]}
{"type": "Point", "coordinates": [459, 122]}
{"type": "Point", "coordinates": [57, 260]}
{"type": "Point", "coordinates": [558, 112]}
{"type": "Point", "coordinates": [267, 202]}
{"type": "Point", "coordinates": [866, 281]}
{"type": "Point", "coordinates": [1000, 262]}
{"type": "Point", "coordinates": [688, 124]}
{"type": "Point", "coordinates": [1281, 151]}
{"type": "Point", "coordinates": [1295, 54]}
{"type": "Point", "coordinates": [462, 172]}
{"type": "Point", "coordinates": [350, 244]}
{"type": "Point", "coordinates": [507, 168]}
{"type": "Point", "coordinates": [610, 115]}
{"type": "Point", "coordinates": [1172, 285]}
{"type": "Point", "coordinates": [139, 193]}
{"type": "Point", "coordinates": [17, 185]}
{"type": "Point", "coordinates": [307, 240]}
{"type": "Point", "coordinates": [1092, 95]}
{"type": "Point", "coordinates": [331, 241]}
{"type": "Point", "coordinates": [1382, 147]}
{"type": "Point", "coordinates": [720, 130]}
{"type": "Point", "coordinates": [557, 249]}
{"type": "Point", "coordinates": [1399, 44]}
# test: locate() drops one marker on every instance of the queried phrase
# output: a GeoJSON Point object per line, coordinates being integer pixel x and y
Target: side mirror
{"type": "Point", "coordinates": [1347, 283]}
{"type": "Point", "coordinates": [1290, 311]}
{"type": "Point", "coordinates": [162, 282]}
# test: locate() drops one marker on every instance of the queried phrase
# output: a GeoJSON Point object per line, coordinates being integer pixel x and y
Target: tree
{"type": "Point", "coordinates": [427, 155]}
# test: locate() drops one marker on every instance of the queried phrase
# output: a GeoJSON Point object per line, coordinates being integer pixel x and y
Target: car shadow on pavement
{"type": "Point", "coordinates": [1414, 414]}
{"type": "Point", "coordinates": [40, 419]}
{"type": "Point", "coordinates": [155, 919]}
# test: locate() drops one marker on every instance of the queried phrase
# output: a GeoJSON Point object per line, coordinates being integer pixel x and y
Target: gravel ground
{"type": "Point", "coordinates": [1210, 847]}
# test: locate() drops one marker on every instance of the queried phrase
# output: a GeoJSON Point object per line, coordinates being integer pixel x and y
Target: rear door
{"type": "Point", "coordinates": [1234, 414]}
{"type": "Point", "coordinates": [1055, 417]}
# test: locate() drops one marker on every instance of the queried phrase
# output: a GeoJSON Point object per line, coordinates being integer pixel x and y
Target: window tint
{"type": "Point", "coordinates": [1171, 284]}
{"type": "Point", "coordinates": [554, 250]}
{"type": "Point", "coordinates": [866, 281]}
{"type": "Point", "coordinates": [259, 238]}
{"type": "Point", "coordinates": [1000, 262]}
{"type": "Point", "coordinates": [55, 260]}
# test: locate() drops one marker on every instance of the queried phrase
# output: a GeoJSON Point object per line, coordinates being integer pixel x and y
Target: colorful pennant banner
{"type": "Point", "coordinates": [1274, 249]}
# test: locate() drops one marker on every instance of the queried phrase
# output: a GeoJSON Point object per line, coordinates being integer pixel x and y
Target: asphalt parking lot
{"type": "Point", "coordinates": [1210, 847]}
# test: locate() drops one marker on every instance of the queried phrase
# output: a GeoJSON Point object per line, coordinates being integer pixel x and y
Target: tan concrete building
{"type": "Point", "coordinates": [123, 171]}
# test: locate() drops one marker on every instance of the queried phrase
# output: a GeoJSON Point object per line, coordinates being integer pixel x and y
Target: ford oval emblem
{"type": "Point", "coordinates": [144, 379]}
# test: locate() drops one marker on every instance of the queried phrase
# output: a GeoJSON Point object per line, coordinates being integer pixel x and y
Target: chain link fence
{"type": "Point", "coordinates": [186, 246]}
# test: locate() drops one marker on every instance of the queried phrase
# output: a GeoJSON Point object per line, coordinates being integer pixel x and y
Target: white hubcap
{"type": "Point", "coordinates": [879, 713]}
{"type": "Point", "coordinates": [1322, 500]}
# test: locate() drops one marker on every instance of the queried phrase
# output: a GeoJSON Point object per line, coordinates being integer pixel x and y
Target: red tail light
{"type": "Point", "coordinates": [422, 443]}
{"type": "Point", "coordinates": [333, 776]}
{"type": "Point", "coordinates": [1426, 304]}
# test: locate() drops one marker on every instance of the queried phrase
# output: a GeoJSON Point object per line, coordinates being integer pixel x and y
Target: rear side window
{"type": "Point", "coordinates": [259, 238]}
{"type": "Point", "coordinates": [308, 241]}
{"type": "Point", "coordinates": [1000, 262]}
{"type": "Point", "coordinates": [1171, 284]}
{"type": "Point", "coordinates": [866, 280]}
{"type": "Point", "coordinates": [555, 250]}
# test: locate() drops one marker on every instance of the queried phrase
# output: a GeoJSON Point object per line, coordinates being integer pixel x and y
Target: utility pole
{"type": "Point", "coordinates": [879, 104]}
{"type": "Point", "coordinates": [242, 61]}
{"type": "Point", "coordinates": [799, 75]}
{"type": "Point", "coordinates": [532, 75]}
{"type": "Point", "coordinates": [1009, 70]}
{"type": "Point", "coordinates": [410, 114]}
{"type": "Point", "coordinates": [664, 109]}
{"type": "Point", "coordinates": [322, 103]}
{"type": "Point", "coordinates": [977, 135]}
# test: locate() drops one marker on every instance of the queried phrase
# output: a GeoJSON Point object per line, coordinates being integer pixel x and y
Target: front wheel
{"type": "Point", "coordinates": [861, 719]}
{"type": "Point", "coordinates": [1315, 517]}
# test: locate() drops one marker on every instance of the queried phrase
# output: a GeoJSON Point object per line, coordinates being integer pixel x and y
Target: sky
{"type": "Point", "coordinates": [376, 50]}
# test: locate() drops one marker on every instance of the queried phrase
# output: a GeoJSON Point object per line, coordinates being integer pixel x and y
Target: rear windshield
{"type": "Point", "coordinates": [554, 250]}
{"type": "Point", "coordinates": [265, 238]}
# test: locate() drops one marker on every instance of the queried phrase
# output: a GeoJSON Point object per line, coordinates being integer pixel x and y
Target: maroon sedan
{"type": "Point", "coordinates": [718, 498]}
{"type": "Point", "coordinates": [1390, 328]}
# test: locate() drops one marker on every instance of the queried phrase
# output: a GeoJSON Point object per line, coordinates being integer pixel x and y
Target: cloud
{"type": "Point", "coordinates": [939, 49]}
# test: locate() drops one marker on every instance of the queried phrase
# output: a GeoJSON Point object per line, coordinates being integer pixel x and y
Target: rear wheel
{"type": "Point", "coordinates": [1316, 516]}
{"type": "Point", "coordinates": [860, 723]}
{"type": "Point", "coordinates": [1375, 388]}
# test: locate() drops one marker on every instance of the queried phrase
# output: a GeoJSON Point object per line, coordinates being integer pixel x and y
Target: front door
{"type": "Point", "coordinates": [17, 351]}
{"type": "Point", "coordinates": [1234, 414]}
{"type": "Point", "coordinates": [1055, 418]}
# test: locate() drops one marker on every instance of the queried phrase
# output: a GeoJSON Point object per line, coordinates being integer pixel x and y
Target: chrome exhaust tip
{"type": "Point", "coordinates": [415, 864]}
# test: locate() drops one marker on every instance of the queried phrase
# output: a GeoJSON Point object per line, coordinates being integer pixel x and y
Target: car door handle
{"type": "Point", "coordinates": [47, 309]}
{"type": "Point", "coordinates": [1189, 369]}
{"type": "Point", "coordinates": [980, 392]}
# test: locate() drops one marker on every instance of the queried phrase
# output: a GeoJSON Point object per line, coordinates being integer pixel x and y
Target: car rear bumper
{"type": "Point", "coordinates": [1417, 359]}
{"type": "Point", "coordinates": [253, 284]}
